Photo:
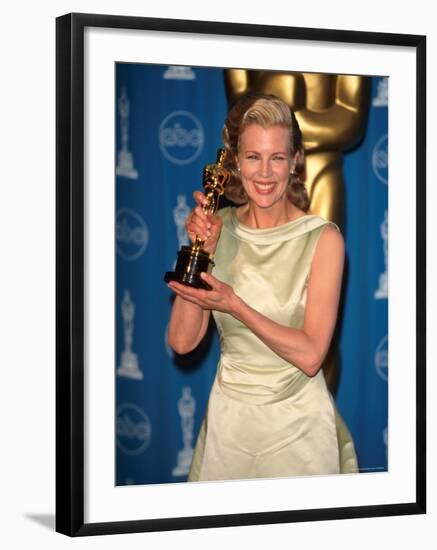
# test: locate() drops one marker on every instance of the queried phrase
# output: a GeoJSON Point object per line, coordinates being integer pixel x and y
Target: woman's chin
{"type": "Point", "coordinates": [266, 201]}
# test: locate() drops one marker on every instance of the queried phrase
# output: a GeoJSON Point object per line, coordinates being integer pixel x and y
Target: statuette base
{"type": "Point", "coordinates": [190, 264]}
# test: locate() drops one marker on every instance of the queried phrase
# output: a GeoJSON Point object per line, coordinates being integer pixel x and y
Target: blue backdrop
{"type": "Point", "coordinates": [169, 122]}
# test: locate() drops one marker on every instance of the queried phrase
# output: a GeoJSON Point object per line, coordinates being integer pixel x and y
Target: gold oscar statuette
{"type": "Point", "coordinates": [193, 260]}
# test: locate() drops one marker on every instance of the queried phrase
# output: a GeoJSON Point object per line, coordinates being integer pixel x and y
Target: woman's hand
{"type": "Point", "coordinates": [220, 298]}
{"type": "Point", "coordinates": [206, 226]}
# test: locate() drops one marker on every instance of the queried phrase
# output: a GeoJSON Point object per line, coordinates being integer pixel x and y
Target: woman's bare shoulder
{"type": "Point", "coordinates": [330, 249]}
{"type": "Point", "coordinates": [330, 238]}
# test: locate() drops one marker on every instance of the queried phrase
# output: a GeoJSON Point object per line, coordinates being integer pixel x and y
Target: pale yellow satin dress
{"type": "Point", "coordinates": [265, 417]}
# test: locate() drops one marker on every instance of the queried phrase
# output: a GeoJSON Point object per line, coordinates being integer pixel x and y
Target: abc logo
{"type": "Point", "coordinates": [380, 159]}
{"type": "Point", "coordinates": [381, 358]}
{"type": "Point", "coordinates": [181, 137]}
{"type": "Point", "coordinates": [133, 429]}
{"type": "Point", "coordinates": [131, 234]}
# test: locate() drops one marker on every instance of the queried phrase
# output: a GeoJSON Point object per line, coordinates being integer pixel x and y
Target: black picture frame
{"type": "Point", "coordinates": [70, 489]}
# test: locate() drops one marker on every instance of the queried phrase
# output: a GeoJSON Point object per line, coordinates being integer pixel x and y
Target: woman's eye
{"type": "Point", "coordinates": [278, 158]}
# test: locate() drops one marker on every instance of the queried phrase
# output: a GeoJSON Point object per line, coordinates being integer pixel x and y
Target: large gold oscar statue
{"type": "Point", "coordinates": [332, 113]}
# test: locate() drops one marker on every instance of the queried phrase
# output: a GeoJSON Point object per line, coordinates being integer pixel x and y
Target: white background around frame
{"type": "Point", "coordinates": [105, 502]}
{"type": "Point", "coordinates": [27, 297]}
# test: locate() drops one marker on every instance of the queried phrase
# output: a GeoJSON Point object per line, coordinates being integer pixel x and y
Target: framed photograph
{"type": "Point", "coordinates": [140, 106]}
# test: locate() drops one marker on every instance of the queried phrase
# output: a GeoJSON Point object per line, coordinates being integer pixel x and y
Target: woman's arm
{"type": "Point", "coordinates": [187, 327]}
{"type": "Point", "coordinates": [189, 321]}
{"type": "Point", "coordinates": [305, 348]}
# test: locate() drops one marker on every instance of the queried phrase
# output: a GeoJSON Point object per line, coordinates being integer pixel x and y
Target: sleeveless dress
{"type": "Point", "coordinates": [265, 417]}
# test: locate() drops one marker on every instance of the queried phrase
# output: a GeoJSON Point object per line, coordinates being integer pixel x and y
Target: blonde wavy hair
{"type": "Point", "coordinates": [266, 110]}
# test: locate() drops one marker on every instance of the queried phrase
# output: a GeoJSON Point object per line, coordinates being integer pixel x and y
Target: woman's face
{"type": "Point", "coordinates": [265, 164]}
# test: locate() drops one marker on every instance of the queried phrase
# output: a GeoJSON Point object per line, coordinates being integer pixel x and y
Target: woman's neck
{"type": "Point", "coordinates": [263, 218]}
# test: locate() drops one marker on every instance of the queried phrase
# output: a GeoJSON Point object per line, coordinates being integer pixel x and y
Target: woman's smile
{"type": "Point", "coordinates": [264, 188]}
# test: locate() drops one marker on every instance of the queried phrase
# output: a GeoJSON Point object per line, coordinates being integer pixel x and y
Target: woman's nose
{"type": "Point", "coordinates": [266, 168]}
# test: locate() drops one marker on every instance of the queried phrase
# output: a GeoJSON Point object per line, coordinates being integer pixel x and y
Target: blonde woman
{"type": "Point", "coordinates": [275, 294]}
